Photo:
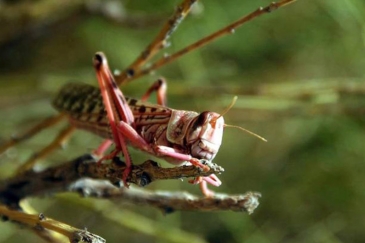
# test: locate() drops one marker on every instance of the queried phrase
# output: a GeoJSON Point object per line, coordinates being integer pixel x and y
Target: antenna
{"type": "Point", "coordinates": [247, 131]}
{"type": "Point", "coordinates": [228, 108]}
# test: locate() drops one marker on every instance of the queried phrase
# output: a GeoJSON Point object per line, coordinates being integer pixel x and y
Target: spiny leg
{"type": "Point", "coordinates": [120, 143]}
{"type": "Point", "coordinates": [57, 142]}
{"type": "Point", "coordinates": [48, 122]}
{"type": "Point", "coordinates": [123, 115]}
{"type": "Point", "coordinates": [158, 43]}
{"type": "Point", "coordinates": [119, 114]}
{"type": "Point", "coordinates": [206, 40]}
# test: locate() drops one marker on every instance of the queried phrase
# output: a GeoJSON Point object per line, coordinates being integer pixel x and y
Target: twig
{"type": "Point", "coordinates": [129, 220]}
{"type": "Point", "coordinates": [59, 141]}
{"type": "Point", "coordinates": [48, 122]}
{"type": "Point", "coordinates": [167, 201]}
{"type": "Point", "coordinates": [61, 177]}
{"type": "Point", "coordinates": [40, 222]}
{"type": "Point", "coordinates": [158, 43]}
{"type": "Point", "coordinates": [204, 41]}
{"type": "Point", "coordinates": [47, 235]}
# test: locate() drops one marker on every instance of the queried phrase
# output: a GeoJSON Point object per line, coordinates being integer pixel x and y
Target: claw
{"type": "Point", "coordinates": [197, 163]}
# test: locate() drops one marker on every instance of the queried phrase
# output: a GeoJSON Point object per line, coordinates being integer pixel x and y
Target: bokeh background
{"type": "Point", "coordinates": [299, 77]}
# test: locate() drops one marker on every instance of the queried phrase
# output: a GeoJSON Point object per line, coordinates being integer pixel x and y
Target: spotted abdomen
{"type": "Point", "coordinates": [84, 105]}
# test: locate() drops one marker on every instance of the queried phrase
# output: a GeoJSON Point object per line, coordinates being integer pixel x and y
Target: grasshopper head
{"type": "Point", "coordinates": [205, 135]}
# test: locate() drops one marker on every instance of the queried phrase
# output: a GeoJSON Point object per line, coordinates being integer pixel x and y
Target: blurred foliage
{"type": "Point", "coordinates": [299, 77]}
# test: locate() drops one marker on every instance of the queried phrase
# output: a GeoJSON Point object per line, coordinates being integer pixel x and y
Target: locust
{"type": "Point", "coordinates": [177, 136]}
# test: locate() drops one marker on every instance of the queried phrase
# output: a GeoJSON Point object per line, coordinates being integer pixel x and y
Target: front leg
{"type": "Point", "coordinates": [204, 181]}
{"type": "Point", "coordinates": [178, 156]}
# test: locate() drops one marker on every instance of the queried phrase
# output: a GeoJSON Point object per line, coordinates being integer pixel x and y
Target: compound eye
{"type": "Point", "coordinates": [197, 126]}
{"type": "Point", "coordinates": [202, 118]}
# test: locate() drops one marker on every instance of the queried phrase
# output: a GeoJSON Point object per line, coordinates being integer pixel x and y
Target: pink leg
{"type": "Point", "coordinates": [103, 147]}
{"type": "Point", "coordinates": [203, 181]}
{"type": "Point", "coordinates": [173, 153]}
{"type": "Point", "coordinates": [160, 87]}
{"type": "Point", "coordinates": [119, 114]}
{"type": "Point", "coordinates": [133, 137]}
{"type": "Point", "coordinates": [205, 190]}
{"type": "Point", "coordinates": [213, 180]}
{"type": "Point", "coordinates": [203, 186]}
{"type": "Point", "coordinates": [115, 105]}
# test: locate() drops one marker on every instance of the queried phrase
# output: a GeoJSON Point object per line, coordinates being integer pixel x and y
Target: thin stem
{"type": "Point", "coordinates": [59, 178]}
{"type": "Point", "coordinates": [158, 43]}
{"type": "Point", "coordinates": [210, 38]}
{"type": "Point", "coordinates": [60, 140]}
{"type": "Point", "coordinates": [40, 222]}
{"type": "Point", "coordinates": [48, 122]}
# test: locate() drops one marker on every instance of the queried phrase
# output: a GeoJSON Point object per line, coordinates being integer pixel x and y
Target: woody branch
{"type": "Point", "coordinates": [63, 178]}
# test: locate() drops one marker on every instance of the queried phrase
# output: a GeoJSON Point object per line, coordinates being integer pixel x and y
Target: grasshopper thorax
{"type": "Point", "coordinates": [204, 135]}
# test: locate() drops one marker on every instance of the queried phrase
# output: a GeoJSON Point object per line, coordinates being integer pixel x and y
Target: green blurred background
{"type": "Point", "coordinates": [299, 77]}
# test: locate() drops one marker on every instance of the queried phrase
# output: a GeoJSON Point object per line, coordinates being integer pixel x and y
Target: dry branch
{"type": "Point", "coordinates": [40, 222]}
{"type": "Point", "coordinates": [59, 178]}
{"type": "Point", "coordinates": [75, 176]}
{"type": "Point", "coordinates": [159, 42]}
{"type": "Point", "coordinates": [200, 43]}
{"type": "Point", "coordinates": [71, 177]}
{"type": "Point", "coordinates": [168, 201]}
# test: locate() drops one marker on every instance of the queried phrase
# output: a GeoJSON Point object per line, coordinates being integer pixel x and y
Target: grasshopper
{"type": "Point", "coordinates": [177, 136]}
